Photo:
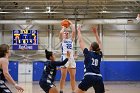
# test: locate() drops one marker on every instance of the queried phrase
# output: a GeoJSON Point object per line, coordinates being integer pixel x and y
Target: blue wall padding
{"type": "Point", "coordinates": [111, 71]}
{"type": "Point", "coordinates": [13, 69]}
{"type": "Point", "coordinates": [120, 70]}
{"type": "Point", "coordinates": [38, 67]}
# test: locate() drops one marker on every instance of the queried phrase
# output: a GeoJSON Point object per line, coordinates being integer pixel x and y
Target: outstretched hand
{"type": "Point", "coordinates": [70, 22]}
{"type": "Point", "coordinates": [19, 88]}
{"type": "Point", "coordinates": [63, 27]}
{"type": "Point", "coordinates": [80, 39]}
{"type": "Point", "coordinates": [79, 28]}
{"type": "Point", "coordinates": [94, 29]}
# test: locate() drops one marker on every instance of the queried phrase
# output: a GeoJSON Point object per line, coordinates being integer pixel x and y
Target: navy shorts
{"type": "Point", "coordinates": [92, 81]}
{"type": "Point", "coordinates": [46, 86]}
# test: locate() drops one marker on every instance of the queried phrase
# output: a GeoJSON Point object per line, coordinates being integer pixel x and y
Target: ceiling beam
{"type": "Point", "coordinates": [102, 12]}
{"type": "Point", "coordinates": [85, 22]}
{"type": "Point", "coordinates": [126, 0]}
{"type": "Point", "coordinates": [67, 1]}
{"type": "Point", "coordinates": [90, 5]}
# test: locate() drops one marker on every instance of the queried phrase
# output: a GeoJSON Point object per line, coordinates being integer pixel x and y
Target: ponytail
{"type": "Point", "coordinates": [95, 47]}
{"type": "Point", "coordinates": [48, 54]}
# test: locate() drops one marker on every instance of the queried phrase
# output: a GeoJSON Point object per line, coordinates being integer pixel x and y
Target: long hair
{"type": "Point", "coordinates": [3, 50]}
{"type": "Point", "coordinates": [95, 47]}
{"type": "Point", "coordinates": [48, 54]}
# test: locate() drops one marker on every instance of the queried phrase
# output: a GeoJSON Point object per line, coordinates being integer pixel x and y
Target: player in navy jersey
{"type": "Point", "coordinates": [93, 55]}
{"type": "Point", "coordinates": [70, 66]}
{"type": "Point", "coordinates": [47, 78]}
{"type": "Point", "coordinates": [4, 73]}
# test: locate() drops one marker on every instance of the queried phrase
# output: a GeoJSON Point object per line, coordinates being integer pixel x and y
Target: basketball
{"type": "Point", "coordinates": [65, 23]}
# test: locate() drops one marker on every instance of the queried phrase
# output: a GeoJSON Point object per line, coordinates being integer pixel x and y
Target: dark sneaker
{"type": "Point", "coordinates": [61, 91]}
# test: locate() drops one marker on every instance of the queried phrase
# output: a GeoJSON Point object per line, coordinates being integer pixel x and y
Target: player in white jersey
{"type": "Point", "coordinates": [70, 66]}
{"type": "Point", "coordinates": [67, 45]}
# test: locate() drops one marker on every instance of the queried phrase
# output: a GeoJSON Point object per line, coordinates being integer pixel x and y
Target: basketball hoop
{"type": "Point", "coordinates": [138, 17]}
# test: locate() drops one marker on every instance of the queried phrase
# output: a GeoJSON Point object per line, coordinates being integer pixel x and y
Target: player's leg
{"type": "Point", "coordinates": [72, 72]}
{"type": "Point", "coordinates": [53, 90]}
{"type": "Point", "coordinates": [46, 86]}
{"type": "Point", "coordinates": [79, 91]}
{"type": "Point", "coordinates": [84, 85]}
{"type": "Point", "coordinates": [63, 78]}
{"type": "Point", "coordinates": [99, 86]}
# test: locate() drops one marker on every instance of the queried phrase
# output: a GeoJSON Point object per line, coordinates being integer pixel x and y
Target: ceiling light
{"type": "Point", "coordinates": [104, 11]}
{"type": "Point", "coordinates": [27, 8]}
{"type": "Point", "coordinates": [125, 12]}
{"type": "Point", "coordinates": [126, 8]}
{"type": "Point", "coordinates": [48, 9]}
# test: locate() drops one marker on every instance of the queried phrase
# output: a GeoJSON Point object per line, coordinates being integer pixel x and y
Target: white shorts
{"type": "Point", "coordinates": [71, 62]}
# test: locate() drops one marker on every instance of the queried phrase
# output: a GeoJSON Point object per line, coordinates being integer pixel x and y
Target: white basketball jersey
{"type": "Point", "coordinates": [67, 45]}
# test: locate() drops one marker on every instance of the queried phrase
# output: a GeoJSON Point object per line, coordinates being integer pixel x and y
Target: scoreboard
{"type": "Point", "coordinates": [25, 39]}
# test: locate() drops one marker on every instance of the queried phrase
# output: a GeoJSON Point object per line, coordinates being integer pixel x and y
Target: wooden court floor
{"type": "Point", "coordinates": [110, 87]}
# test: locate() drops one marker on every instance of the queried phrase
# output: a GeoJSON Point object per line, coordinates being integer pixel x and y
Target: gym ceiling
{"type": "Point", "coordinates": [60, 9]}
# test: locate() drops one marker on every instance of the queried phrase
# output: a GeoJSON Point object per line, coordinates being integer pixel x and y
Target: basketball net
{"type": "Point", "coordinates": [138, 17]}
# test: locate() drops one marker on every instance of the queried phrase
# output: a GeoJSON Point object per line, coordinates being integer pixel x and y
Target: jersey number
{"type": "Point", "coordinates": [69, 46]}
{"type": "Point", "coordinates": [94, 62]}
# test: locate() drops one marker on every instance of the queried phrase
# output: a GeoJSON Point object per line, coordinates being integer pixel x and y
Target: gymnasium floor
{"type": "Point", "coordinates": [111, 87]}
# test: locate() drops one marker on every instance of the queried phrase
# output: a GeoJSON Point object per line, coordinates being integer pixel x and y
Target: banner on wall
{"type": "Point", "coordinates": [25, 39]}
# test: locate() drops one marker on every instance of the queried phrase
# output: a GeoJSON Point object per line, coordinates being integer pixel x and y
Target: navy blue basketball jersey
{"type": "Point", "coordinates": [92, 61]}
{"type": "Point", "coordinates": [2, 75]}
{"type": "Point", "coordinates": [49, 71]}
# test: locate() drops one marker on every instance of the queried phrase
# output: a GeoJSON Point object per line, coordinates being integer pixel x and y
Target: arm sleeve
{"type": "Point", "coordinates": [59, 63]}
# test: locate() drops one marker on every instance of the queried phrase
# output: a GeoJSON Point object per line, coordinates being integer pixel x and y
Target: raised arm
{"type": "Point", "coordinates": [73, 30]}
{"type": "Point", "coordinates": [94, 30]}
{"type": "Point", "coordinates": [81, 41]}
{"type": "Point", "coordinates": [63, 62]}
{"type": "Point", "coordinates": [61, 33]}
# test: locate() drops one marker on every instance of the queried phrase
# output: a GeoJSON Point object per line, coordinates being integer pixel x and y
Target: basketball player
{"type": "Point", "coordinates": [47, 79]}
{"type": "Point", "coordinates": [93, 55]}
{"type": "Point", "coordinates": [67, 45]}
{"type": "Point", "coordinates": [4, 62]}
